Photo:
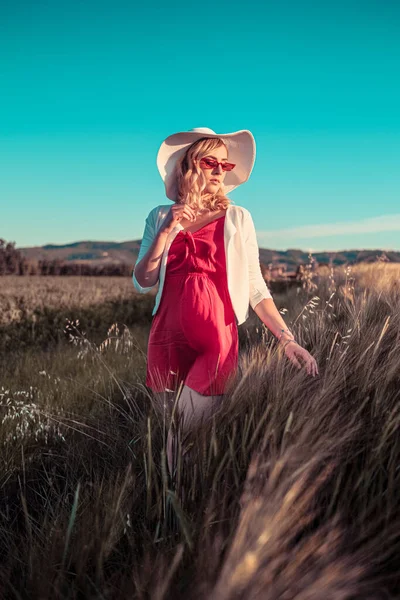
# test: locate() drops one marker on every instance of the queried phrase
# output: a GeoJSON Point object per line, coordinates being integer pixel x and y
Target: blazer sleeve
{"type": "Point", "coordinates": [147, 239]}
{"type": "Point", "coordinates": [258, 289]}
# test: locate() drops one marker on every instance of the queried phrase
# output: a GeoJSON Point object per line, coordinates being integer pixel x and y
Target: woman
{"type": "Point", "coordinates": [203, 252]}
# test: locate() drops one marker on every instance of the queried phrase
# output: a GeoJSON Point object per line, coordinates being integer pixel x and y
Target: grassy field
{"type": "Point", "coordinates": [291, 491]}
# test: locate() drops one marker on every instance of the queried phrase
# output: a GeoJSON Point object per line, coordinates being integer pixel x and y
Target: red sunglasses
{"type": "Point", "coordinates": [211, 163]}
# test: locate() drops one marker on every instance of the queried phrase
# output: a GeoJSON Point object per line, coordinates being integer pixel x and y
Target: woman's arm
{"type": "Point", "coordinates": [268, 313]}
{"type": "Point", "coordinates": [147, 267]}
{"type": "Point", "coordinates": [271, 317]}
{"type": "Point", "coordinates": [147, 270]}
{"type": "Point", "coordinates": [263, 305]}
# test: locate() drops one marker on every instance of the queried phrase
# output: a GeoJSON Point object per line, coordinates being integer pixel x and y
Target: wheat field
{"type": "Point", "coordinates": [291, 490]}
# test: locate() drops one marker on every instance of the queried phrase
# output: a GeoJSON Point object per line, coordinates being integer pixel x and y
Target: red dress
{"type": "Point", "coordinates": [194, 336]}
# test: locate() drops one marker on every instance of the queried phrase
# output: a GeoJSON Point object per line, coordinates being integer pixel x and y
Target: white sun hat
{"type": "Point", "coordinates": [241, 151]}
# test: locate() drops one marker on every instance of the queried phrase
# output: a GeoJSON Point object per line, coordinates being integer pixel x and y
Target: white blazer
{"type": "Point", "coordinates": [246, 284]}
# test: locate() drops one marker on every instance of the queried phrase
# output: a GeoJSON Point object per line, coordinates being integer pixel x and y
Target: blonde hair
{"type": "Point", "coordinates": [191, 181]}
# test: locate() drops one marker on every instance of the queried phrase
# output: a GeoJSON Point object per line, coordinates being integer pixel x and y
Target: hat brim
{"type": "Point", "coordinates": [241, 151]}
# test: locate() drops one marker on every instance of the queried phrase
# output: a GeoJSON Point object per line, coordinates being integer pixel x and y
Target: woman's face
{"type": "Point", "coordinates": [214, 177]}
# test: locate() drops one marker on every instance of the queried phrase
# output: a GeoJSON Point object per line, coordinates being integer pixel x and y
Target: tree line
{"type": "Point", "coordinates": [13, 262]}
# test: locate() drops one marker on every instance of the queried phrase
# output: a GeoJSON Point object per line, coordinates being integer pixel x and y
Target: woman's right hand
{"type": "Point", "coordinates": [176, 213]}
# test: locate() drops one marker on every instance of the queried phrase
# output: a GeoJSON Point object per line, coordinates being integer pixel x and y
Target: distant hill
{"type": "Point", "coordinates": [87, 251]}
{"type": "Point", "coordinates": [127, 252]}
{"type": "Point", "coordinates": [294, 257]}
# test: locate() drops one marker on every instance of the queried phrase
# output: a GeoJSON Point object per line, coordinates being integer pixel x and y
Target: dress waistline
{"type": "Point", "coordinates": [182, 275]}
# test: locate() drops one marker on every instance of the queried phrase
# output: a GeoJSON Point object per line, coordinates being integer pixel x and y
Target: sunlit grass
{"type": "Point", "coordinates": [292, 490]}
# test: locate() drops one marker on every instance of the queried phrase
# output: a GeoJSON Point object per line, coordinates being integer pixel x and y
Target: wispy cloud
{"type": "Point", "coordinates": [372, 225]}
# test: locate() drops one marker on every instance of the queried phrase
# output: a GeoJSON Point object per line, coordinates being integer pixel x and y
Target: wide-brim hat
{"type": "Point", "coordinates": [241, 151]}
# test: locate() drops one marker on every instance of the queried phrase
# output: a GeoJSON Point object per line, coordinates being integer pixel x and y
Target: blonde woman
{"type": "Point", "coordinates": [203, 252]}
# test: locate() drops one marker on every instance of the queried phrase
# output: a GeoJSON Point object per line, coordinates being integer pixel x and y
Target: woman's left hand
{"type": "Point", "coordinates": [294, 351]}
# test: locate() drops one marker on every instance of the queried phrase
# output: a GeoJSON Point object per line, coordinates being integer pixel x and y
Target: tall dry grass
{"type": "Point", "coordinates": [34, 310]}
{"type": "Point", "coordinates": [290, 491]}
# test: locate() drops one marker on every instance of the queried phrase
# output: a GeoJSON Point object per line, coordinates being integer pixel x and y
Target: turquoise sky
{"type": "Point", "coordinates": [88, 91]}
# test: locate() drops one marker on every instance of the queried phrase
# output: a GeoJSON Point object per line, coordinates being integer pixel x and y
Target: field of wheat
{"type": "Point", "coordinates": [291, 490]}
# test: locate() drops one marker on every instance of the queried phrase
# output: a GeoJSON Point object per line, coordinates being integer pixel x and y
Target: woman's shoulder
{"type": "Point", "coordinates": [239, 211]}
{"type": "Point", "coordinates": [160, 208]}
{"type": "Point", "coordinates": [158, 212]}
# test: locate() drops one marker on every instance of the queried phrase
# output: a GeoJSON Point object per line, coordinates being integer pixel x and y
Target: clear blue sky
{"type": "Point", "coordinates": [90, 89]}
